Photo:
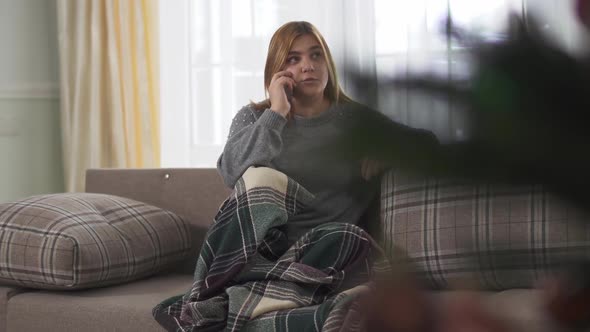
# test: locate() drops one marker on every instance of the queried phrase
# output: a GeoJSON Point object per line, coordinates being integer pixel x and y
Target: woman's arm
{"type": "Point", "coordinates": [252, 142]}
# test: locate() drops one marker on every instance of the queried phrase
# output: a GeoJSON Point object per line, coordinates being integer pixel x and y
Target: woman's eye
{"type": "Point", "coordinates": [292, 60]}
{"type": "Point", "coordinates": [316, 55]}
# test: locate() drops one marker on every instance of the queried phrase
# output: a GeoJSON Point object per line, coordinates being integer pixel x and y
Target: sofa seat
{"type": "Point", "coordinates": [126, 307]}
{"type": "Point", "coordinates": [6, 292]}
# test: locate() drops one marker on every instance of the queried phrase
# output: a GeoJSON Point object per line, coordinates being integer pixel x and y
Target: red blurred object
{"type": "Point", "coordinates": [465, 313]}
{"type": "Point", "coordinates": [568, 297]}
{"type": "Point", "coordinates": [398, 306]}
{"type": "Point", "coordinates": [401, 305]}
{"type": "Point", "coordinates": [583, 12]}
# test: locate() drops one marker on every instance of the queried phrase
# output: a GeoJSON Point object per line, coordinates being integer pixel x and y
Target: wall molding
{"type": "Point", "coordinates": [48, 91]}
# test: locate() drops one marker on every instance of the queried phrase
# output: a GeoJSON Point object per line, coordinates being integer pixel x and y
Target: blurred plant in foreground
{"type": "Point", "coordinates": [529, 107]}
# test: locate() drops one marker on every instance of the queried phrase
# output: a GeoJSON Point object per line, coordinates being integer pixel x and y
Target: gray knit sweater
{"type": "Point", "coordinates": [312, 152]}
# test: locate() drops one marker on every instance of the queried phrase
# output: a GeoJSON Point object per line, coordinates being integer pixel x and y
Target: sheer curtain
{"type": "Point", "coordinates": [409, 40]}
{"type": "Point", "coordinates": [213, 54]}
{"type": "Point", "coordinates": [212, 62]}
{"type": "Point", "coordinates": [109, 86]}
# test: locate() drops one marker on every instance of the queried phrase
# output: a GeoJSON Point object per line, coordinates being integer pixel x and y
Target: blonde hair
{"type": "Point", "coordinates": [278, 50]}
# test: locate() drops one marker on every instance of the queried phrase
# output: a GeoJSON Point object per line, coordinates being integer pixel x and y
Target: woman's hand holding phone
{"type": "Point", "coordinates": [281, 91]}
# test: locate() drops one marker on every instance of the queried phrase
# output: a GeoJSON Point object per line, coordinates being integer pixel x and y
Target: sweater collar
{"type": "Point", "coordinates": [321, 118]}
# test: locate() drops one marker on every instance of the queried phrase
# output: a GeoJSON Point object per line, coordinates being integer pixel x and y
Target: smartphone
{"type": "Point", "coordinates": [289, 92]}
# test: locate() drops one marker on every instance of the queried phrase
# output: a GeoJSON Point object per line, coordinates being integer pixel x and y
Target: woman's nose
{"type": "Point", "coordinates": [306, 66]}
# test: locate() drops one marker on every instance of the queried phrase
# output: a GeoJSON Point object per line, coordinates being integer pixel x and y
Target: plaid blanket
{"type": "Point", "coordinates": [247, 279]}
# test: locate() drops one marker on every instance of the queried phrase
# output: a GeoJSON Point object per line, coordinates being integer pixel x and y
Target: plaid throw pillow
{"type": "Point", "coordinates": [499, 236]}
{"type": "Point", "coordinates": [82, 240]}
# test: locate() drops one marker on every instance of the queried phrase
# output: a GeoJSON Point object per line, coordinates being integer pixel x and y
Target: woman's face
{"type": "Point", "coordinates": [307, 62]}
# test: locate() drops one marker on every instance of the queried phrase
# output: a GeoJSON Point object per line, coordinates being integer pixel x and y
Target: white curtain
{"type": "Point", "coordinates": [559, 21]}
{"type": "Point", "coordinates": [228, 40]}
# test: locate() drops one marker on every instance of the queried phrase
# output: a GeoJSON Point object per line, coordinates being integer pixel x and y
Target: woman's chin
{"type": "Point", "coordinates": [309, 93]}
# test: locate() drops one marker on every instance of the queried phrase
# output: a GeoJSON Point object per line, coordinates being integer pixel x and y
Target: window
{"type": "Point", "coordinates": [410, 39]}
{"type": "Point", "coordinates": [213, 54]}
{"type": "Point", "coordinates": [212, 63]}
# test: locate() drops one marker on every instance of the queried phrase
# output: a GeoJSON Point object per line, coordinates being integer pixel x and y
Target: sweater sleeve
{"type": "Point", "coordinates": [252, 141]}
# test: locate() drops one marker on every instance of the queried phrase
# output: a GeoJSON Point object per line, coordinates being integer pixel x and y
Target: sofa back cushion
{"type": "Point", "coordinates": [81, 240]}
{"type": "Point", "coordinates": [500, 236]}
{"type": "Point", "coordinates": [195, 194]}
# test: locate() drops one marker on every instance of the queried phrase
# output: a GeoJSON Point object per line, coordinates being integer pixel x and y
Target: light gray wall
{"type": "Point", "coordinates": [30, 143]}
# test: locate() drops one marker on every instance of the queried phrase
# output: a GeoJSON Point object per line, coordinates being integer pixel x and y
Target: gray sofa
{"type": "Point", "coordinates": [192, 193]}
{"type": "Point", "coordinates": [429, 220]}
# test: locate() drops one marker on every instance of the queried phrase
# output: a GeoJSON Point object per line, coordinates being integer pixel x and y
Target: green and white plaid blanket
{"type": "Point", "coordinates": [247, 279]}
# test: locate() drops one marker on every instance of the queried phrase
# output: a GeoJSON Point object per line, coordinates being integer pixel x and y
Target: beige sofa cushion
{"type": "Point", "coordinates": [81, 240]}
{"type": "Point", "coordinates": [499, 236]}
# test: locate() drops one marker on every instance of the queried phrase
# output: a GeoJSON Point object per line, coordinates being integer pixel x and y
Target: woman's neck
{"type": "Point", "coordinates": [309, 108]}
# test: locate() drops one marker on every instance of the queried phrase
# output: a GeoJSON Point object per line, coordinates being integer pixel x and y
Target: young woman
{"type": "Point", "coordinates": [310, 130]}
